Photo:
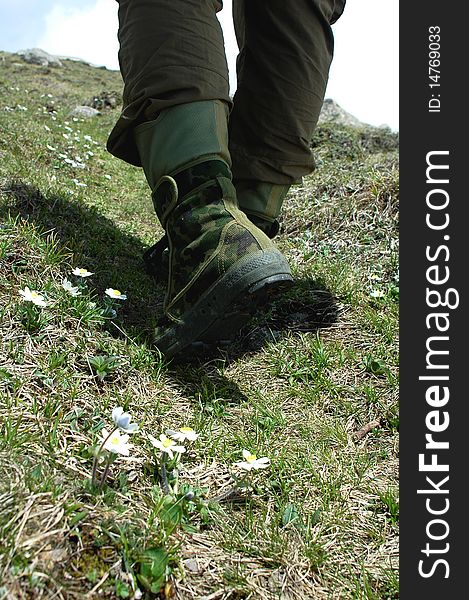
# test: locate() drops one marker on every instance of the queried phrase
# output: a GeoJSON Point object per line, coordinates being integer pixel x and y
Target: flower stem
{"type": "Point", "coordinates": [95, 462]}
{"type": "Point", "coordinates": [232, 491]}
{"type": "Point", "coordinates": [106, 471]}
{"type": "Point", "coordinates": [164, 475]}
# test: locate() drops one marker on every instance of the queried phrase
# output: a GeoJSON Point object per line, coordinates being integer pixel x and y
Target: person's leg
{"type": "Point", "coordinates": [171, 52]}
{"type": "Point", "coordinates": [285, 52]}
{"type": "Point", "coordinates": [220, 265]}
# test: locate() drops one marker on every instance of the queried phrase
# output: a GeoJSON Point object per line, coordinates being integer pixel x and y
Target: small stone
{"type": "Point", "coordinates": [191, 565]}
{"type": "Point", "coordinates": [85, 112]}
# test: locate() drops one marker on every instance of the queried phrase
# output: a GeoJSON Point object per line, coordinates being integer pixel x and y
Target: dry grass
{"type": "Point", "coordinates": [312, 383]}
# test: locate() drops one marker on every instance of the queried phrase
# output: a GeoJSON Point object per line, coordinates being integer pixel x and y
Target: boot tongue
{"type": "Point", "coordinates": [199, 174]}
{"type": "Point", "coordinates": [270, 229]}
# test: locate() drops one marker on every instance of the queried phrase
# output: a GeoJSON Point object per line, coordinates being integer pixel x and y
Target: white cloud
{"type": "Point", "coordinates": [86, 33]}
{"type": "Point", "coordinates": [364, 77]}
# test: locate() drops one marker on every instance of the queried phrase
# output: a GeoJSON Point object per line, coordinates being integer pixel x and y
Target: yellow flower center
{"type": "Point", "coordinates": [34, 295]}
{"type": "Point", "coordinates": [115, 439]}
{"type": "Point", "coordinates": [186, 430]}
{"type": "Point", "coordinates": [167, 443]}
{"type": "Point", "coordinates": [251, 458]}
{"type": "Point", "coordinates": [116, 292]}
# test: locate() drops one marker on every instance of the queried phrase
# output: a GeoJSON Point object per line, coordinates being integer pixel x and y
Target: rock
{"type": "Point", "coordinates": [191, 565]}
{"type": "Point", "coordinates": [332, 112]}
{"type": "Point", "coordinates": [84, 112]}
{"type": "Point", "coordinates": [36, 56]}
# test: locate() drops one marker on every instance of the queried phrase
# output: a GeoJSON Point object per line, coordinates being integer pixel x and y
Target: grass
{"type": "Point", "coordinates": [312, 383]}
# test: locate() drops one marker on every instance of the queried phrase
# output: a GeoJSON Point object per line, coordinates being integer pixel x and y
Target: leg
{"type": "Point", "coordinates": [171, 52]}
{"type": "Point", "coordinates": [175, 125]}
{"type": "Point", "coordinates": [282, 67]}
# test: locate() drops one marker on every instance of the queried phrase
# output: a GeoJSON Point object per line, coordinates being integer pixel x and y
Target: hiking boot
{"type": "Point", "coordinates": [221, 266]}
{"type": "Point", "coordinates": [260, 201]}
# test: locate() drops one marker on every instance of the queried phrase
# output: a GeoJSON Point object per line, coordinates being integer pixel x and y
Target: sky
{"type": "Point", "coordinates": [364, 76]}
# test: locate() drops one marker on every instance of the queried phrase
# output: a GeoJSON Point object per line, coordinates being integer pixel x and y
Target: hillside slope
{"type": "Point", "coordinates": [312, 384]}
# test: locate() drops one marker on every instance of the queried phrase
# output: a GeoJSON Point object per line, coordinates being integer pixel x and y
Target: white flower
{"type": "Point", "coordinates": [68, 287]}
{"type": "Point", "coordinates": [122, 420]}
{"type": "Point", "coordinates": [72, 163]}
{"type": "Point", "coordinates": [117, 443]}
{"type": "Point", "coordinates": [79, 183]}
{"type": "Point", "coordinates": [81, 272]}
{"type": "Point", "coordinates": [252, 462]}
{"type": "Point", "coordinates": [117, 294]}
{"type": "Point", "coordinates": [166, 444]}
{"type": "Point", "coordinates": [33, 296]}
{"type": "Point", "coordinates": [377, 294]}
{"type": "Point", "coordinates": [182, 434]}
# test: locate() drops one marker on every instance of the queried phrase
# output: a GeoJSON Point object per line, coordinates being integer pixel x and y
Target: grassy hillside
{"type": "Point", "coordinates": [311, 384]}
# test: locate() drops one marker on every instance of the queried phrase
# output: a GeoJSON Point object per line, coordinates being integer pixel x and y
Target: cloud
{"type": "Point", "coordinates": [364, 74]}
{"type": "Point", "coordinates": [89, 33]}
{"type": "Point", "coordinates": [364, 77]}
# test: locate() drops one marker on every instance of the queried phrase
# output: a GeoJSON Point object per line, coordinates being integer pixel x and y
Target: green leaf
{"type": "Point", "coordinates": [290, 514]}
{"type": "Point", "coordinates": [316, 517]}
{"type": "Point", "coordinates": [375, 366]}
{"type": "Point", "coordinates": [122, 589]}
{"type": "Point", "coordinates": [78, 517]}
{"type": "Point", "coordinates": [153, 565]}
{"type": "Point", "coordinates": [172, 512]}
{"type": "Point", "coordinates": [4, 374]}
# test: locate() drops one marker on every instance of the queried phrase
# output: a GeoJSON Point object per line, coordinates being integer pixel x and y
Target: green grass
{"type": "Point", "coordinates": [298, 385]}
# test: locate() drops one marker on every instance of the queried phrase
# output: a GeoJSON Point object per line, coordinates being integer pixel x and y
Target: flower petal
{"type": "Point", "coordinates": [116, 413]}
{"type": "Point", "coordinates": [132, 428]}
{"type": "Point", "coordinates": [243, 465]}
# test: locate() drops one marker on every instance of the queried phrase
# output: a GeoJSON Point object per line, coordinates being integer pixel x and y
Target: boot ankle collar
{"type": "Point", "coordinates": [170, 190]}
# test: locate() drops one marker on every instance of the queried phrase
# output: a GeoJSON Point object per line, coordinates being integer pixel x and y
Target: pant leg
{"type": "Point", "coordinates": [285, 53]}
{"type": "Point", "coordinates": [171, 52]}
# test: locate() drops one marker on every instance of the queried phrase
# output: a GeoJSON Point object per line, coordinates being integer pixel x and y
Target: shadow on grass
{"type": "Point", "coordinates": [116, 259]}
{"type": "Point", "coordinates": [206, 385]}
{"type": "Point", "coordinates": [306, 308]}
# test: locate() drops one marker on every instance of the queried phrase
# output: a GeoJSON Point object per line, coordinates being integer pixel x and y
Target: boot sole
{"type": "Point", "coordinates": [221, 311]}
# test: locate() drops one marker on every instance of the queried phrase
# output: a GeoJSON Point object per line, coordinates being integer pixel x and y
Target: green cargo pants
{"type": "Point", "coordinates": [172, 52]}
